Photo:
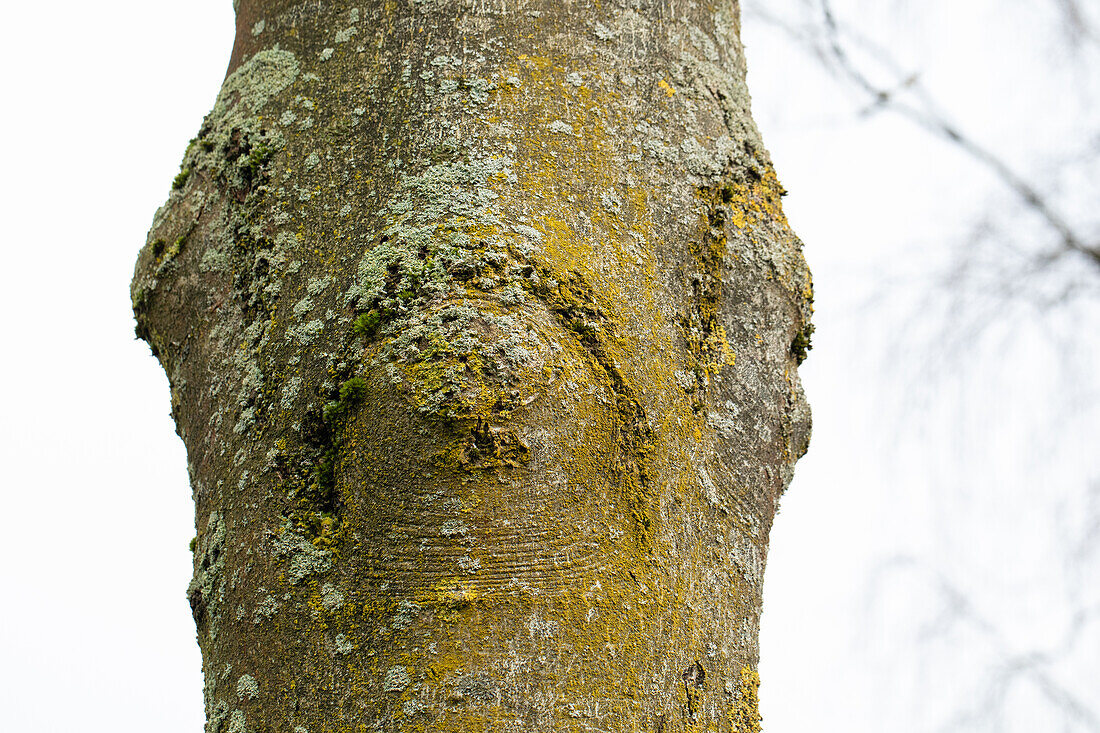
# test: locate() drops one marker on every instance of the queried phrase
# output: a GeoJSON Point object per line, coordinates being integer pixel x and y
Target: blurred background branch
{"type": "Point", "coordinates": [867, 66]}
{"type": "Point", "coordinates": [990, 317]}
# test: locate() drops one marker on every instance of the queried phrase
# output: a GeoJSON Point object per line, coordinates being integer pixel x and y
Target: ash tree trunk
{"type": "Point", "coordinates": [482, 321]}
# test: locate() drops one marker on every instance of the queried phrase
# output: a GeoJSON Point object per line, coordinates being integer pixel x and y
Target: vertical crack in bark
{"type": "Point", "coordinates": [705, 336]}
{"type": "Point", "coordinates": [309, 475]}
{"type": "Point", "coordinates": [694, 678]}
{"type": "Point", "coordinates": [573, 301]}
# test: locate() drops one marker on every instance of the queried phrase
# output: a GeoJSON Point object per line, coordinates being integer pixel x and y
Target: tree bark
{"type": "Point", "coordinates": [482, 321]}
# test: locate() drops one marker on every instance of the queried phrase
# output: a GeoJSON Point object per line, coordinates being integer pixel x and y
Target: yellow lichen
{"type": "Point", "coordinates": [744, 717]}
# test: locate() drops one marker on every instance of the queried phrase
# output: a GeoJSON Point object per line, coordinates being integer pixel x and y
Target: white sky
{"type": "Point", "coordinates": [960, 472]}
{"type": "Point", "coordinates": [929, 468]}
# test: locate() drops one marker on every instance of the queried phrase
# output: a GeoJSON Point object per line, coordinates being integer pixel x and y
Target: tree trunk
{"type": "Point", "coordinates": [482, 321]}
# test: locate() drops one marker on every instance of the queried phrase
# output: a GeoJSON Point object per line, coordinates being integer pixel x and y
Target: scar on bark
{"type": "Point", "coordinates": [693, 677]}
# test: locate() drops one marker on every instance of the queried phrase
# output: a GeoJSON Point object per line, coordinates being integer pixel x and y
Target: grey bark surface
{"type": "Point", "coordinates": [482, 322]}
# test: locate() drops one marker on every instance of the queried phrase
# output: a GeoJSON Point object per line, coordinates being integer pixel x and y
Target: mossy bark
{"type": "Point", "coordinates": [478, 316]}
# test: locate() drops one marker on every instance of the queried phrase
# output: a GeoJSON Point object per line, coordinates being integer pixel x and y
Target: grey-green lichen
{"type": "Point", "coordinates": [290, 392]}
{"type": "Point", "coordinates": [253, 84]}
{"type": "Point", "coordinates": [265, 609]}
{"type": "Point", "coordinates": [453, 527]}
{"type": "Point", "coordinates": [237, 722]}
{"type": "Point", "coordinates": [560, 127]}
{"type": "Point", "coordinates": [331, 598]}
{"type": "Point", "coordinates": [206, 591]}
{"type": "Point", "coordinates": [407, 612]}
{"type": "Point", "coordinates": [302, 557]}
{"type": "Point", "coordinates": [305, 333]}
{"type": "Point", "coordinates": [343, 645]}
{"type": "Point", "coordinates": [397, 679]}
{"type": "Point", "coordinates": [247, 687]}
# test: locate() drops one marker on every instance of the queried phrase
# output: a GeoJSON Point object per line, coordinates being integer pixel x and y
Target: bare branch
{"type": "Point", "coordinates": [827, 44]}
{"type": "Point", "coordinates": [1030, 667]}
{"type": "Point", "coordinates": [937, 124]}
{"type": "Point", "coordinates": [1078, 28]}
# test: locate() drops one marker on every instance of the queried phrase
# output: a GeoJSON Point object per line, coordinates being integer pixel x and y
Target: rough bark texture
{"type": "Point", "coordinates": [482, 321]}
